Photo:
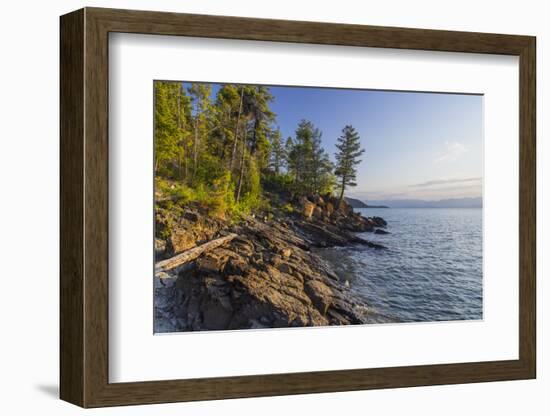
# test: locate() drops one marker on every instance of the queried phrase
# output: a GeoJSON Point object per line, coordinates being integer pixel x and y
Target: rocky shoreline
{"type": "Point", "coordinates": [264, 277]}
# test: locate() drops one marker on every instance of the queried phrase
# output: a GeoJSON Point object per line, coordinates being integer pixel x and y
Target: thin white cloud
{"type": "Point", "coordinates": [452, 151]}
{"type": "Point", "coordinates": [429, 190]}
{"type": "Point", "coordinates": [424, 194]}
{"type": "Point", "coordinates": [438, 182]}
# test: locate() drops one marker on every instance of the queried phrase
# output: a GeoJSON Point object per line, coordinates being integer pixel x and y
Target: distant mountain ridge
{"type": "Point", "coordinates": [442, 203]}
{"type": "Point", "coordinates": [357, 203]}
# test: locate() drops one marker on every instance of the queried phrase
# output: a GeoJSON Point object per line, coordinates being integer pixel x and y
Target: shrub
{"type": "Point", "coordinates": [287, 208]}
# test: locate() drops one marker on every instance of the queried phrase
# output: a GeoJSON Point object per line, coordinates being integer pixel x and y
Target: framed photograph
{"type": "Point", "coordinates": [260, 207]}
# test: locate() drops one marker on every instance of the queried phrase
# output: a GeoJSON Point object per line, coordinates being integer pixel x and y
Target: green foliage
{"type": "Point", "coordinates": [308, 162]}
{"type": "Point", "coordinates": [278, 153]}
{"type": "Point", "coordinates": [220, 153]}
{"type": "Point", "coordinates": [277, 183]}
{"type": "Point", "coordinates": [171, 121]}
{"type": "Point", "coordinates": [287, 208]}
{"type": "Point", "coordinates": [347, 158]}
{"type": "Point", "coordinates": [256, 107]}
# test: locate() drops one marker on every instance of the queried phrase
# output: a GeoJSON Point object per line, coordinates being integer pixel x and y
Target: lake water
{"type": "Point", "coordinates": [431, 271]}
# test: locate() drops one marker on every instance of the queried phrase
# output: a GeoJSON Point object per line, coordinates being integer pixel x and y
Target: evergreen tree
{"type": "Point", "coordinates": [347, 158]}
{"type": "Point", "coordinates": [278, 155]}
{"type": "Point", "coordinates": [224, 120]}
{"type": "Point", "coordinates": [218, 150]}
{"type": "Point", "coordinates": [301, 156]}
{"type": "Point", "coordinates": [184, 125]}
{"type": "Point", "coordinates": [229, 106]}
{"type": "Point", "coordinates": [200, 97]}
{"type": "Point", "coordinates": [322, 167]}
{"type": "Point", "coordinates": [256, 102]}
{"type": "Point", "coordinates": [172, 120]}
{"type": "Point", "coordinates": [255, 146]}
{"type": "Point", "coordinates": [290, 156]}
{"type": "Point", "coordinates": [308, 162]}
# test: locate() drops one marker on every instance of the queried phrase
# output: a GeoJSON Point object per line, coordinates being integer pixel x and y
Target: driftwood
{"type": "Point", "coordinates": [189, 255]}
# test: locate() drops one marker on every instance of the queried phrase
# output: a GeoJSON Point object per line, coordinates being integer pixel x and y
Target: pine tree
{"type": "Point", "coordinates": [228, 108]}
{"type": "Point", "coordinates": [290, 156]}
{"type": "Point", "coordinates": [321, 167]}
{"type": "Point", "coordinates": [278, 155]}
{"type": "Point", "coordinates": [257, 118]}
{"type": "Point", "coordinates": [347, 158]}
{"type": "Point", "coordinates": [172, 119]}
{"type": "Point", "coordinates": [217, 150]}
{"type": "Point", "coordinates": [301, 156]}
{"type": "Point", "coordinates": [200, 96]}
{"type": "Point", "coordinates": [308, 162]}
{"type": "Point", "coordinates": [256, 102]}
{"type": "Point", "coordinates": [183, 118]}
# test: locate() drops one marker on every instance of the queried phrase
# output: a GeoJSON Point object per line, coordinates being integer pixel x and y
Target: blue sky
{"type": "Point", "coordinates": [417, 145]}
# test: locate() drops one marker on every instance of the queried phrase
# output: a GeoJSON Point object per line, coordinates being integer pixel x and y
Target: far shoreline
{"type": "Point", "coordinates": [450, 203]}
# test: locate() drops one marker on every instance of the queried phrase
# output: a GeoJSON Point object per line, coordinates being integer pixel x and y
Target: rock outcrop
{"type": "Point", "coordinates": [266, 276]}
{"type": "Point", "coordinates": [327, 209]}
{"type": "Point", "coordinates": [185, 231]}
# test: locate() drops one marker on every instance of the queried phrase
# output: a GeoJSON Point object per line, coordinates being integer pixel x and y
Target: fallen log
{"type": "Point", "coordinates": [189, 255]}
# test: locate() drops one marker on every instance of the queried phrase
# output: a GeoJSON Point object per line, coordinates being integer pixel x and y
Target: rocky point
{"type": "Point", "coordinates": [265, 277]}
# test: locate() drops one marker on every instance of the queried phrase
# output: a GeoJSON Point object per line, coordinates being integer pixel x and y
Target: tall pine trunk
{"type": "Point", "coordinates": [179, 107]}
{"type": "Point", "coordinates": [241, 174]}
{"type": "Point", "coordinates": [196, 146]}
{"type": "Point", "coordinates": [236, 131]}
{"type": "Point", "coordinates": [186, 160]}
{"type": "Point", "coordinates": [180, 127]}
{"type": "Point", "coordinates": [341, 193]}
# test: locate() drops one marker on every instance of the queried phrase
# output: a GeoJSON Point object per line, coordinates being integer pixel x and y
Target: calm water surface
{"type": "Point", "coordinates": [431, 271]}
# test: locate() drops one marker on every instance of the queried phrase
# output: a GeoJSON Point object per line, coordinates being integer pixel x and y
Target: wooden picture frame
{"type": "Point", "coordinates": [84, 207]}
